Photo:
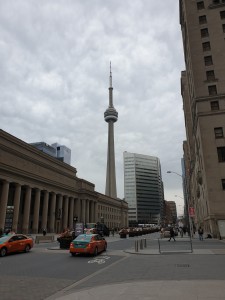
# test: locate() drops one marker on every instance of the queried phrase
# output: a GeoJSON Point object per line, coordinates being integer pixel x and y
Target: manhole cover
{"type": "Point", "coordinates": [182, 265]}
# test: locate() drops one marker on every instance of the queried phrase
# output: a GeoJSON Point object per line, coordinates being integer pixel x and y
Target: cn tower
{"type": "Point", "coordinates": [111, 116]}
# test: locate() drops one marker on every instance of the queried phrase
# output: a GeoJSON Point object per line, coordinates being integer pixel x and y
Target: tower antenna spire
{"type": "Point", "coordinates": [111, 116]}
{"type": "Point", "coordinates": [110, 76]}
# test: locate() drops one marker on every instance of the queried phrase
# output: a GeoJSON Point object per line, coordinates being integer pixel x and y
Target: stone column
{"type": "Point", "coordinates": [71, 212]}
{"type": "Point", "coordinates": [95, 211]}
{"type": "Point", "coordinates": [59, 214]}
{"type": "Point", "coordinates": [45, 211]}
{"type": "Point", "coordinates": [87, 211]}
{"type": "Point", "coordinates": [65, 212]}
{"type": "Point", "coordinates": [36, 211]}
{"type": "Point", "coordinates": [77, 209]}
{"type": "Point", "coordinates": [16, 203]}
{"type": "Point", "coordinates": [26, 212]}
{"type": "Point", "coordinates": [90, 211]}
{"type": "Point", "coordinates": [52, 213]}
{"type": "Point", "coordinates": [83, 212]}
{"type": "Point", "coordinates": [3, 203]}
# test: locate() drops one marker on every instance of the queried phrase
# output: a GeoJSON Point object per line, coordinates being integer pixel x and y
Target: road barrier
{"type": "Point", "coordinates": [178, 246]}
{"type": "Point", "coordinates": [44, 238]}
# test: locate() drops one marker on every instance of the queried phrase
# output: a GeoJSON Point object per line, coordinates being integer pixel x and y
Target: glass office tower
{"type": "Point", "coordinates": [143, 188]}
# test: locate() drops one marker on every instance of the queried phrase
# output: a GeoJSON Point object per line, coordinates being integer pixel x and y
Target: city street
{"type": "Point", "coordinates": [51, 274]}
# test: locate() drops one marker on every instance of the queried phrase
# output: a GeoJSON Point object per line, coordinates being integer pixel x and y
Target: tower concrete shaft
{"type": "Point", "coordinates": [111, 116]}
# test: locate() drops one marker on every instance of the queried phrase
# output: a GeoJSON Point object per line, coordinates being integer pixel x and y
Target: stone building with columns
{"type": "Point", "coordinates": [39, 192]}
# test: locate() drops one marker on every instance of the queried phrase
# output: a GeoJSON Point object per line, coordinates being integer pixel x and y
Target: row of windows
{"type": "Point", "coordinates": [218, 1]}
{"type": "Point", "coordinates": [208, 60]}
{"type": "Point", "coordinates": [109, 209]}
{"type": "Point", "coordinates": [201, 4]}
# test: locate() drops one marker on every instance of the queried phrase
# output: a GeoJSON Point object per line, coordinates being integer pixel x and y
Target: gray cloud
{"type": "Point", "coordinates": [54, 72]}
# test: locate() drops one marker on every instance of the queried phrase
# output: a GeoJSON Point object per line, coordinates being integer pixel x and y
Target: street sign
{"type": "Point", "coordinates": [9, 218]}
{"type": "Point", "coordinates": [79, 228]}
{"type": "Point", "coordinates": [191, 211]}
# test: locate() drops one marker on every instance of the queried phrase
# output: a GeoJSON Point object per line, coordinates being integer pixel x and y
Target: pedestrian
{"type": "Point", "coordinates": [181, 231]}
{"type": "Point", "coordinates": [162, 232]}
{"type": "Point", "coordinates": [200, 233]}
{"type": "Point", "coordinates": [44, 232]}
{"type": "Point", "coordinates": [172, 234]}
{"type": "Point", "coordinates": [113, 231]}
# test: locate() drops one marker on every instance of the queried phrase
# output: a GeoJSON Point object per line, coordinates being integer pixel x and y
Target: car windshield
{"type": "Point", "coordinates": [3, 239]}
{"type": "Point", "coordinates": [84, 237]}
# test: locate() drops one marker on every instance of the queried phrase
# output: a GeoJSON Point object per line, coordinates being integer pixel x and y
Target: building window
{"type": "Point", "coordinates": [221, 154]}
{"type": "Point", "coordinates": [210, 75]}
{"type": "Point", "coordinates": [215, 2]}
{"type": "Point", "coordinates": [223, 27]}
{"type": "Point", "coordinates": [218, 132]}
{"type": "Point", "coordinates": [200, 5]}
{"type": "Point", "coordinates": [214, 105]}
{"type": "Point", "coordinates": [206, 46]}
{"type": "Point", "coordinates": [208, 60]}
{"type": "Point", "coordinates": [223, 184]}
{"type": "Point", "coordinates": [202, 20]}
{"type": "Point", "coordinates": [212, 90]}
{"type": "Point", "coordinates": [222, 14]}
{"type": "Point", "coordinates": [204, 32]}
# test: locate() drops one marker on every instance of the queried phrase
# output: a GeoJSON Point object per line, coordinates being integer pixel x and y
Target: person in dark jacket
{"type": "Point", "coordinates": [200, 233]}
{"type": "Point", "coordinates": [172, 234]}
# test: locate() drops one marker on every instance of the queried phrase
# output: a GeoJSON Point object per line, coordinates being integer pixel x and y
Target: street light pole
{"type": "Point", "coordinates": [186, 202]}
{"type": "Point", "coordinates": [174, 173]}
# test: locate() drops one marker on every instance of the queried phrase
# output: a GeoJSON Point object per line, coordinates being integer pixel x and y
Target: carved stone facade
{"type": "Point", "coordinates": [40, 192]}
{"type": "Point", "coordinates": [203, 93]}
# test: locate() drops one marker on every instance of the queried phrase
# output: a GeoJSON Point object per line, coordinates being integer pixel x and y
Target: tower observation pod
{"type": "Point", "coordinates": [111, 116]}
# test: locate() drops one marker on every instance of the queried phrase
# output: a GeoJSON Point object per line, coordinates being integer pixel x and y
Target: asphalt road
{"type": "Point", "coordinates": [43, 273]}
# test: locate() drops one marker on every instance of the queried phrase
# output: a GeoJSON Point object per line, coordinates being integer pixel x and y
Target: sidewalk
{"type": "Point", "coordinates": [180, 246]}
{"type": "Point", "coordinates": [154, 290]}
{"type": "Point", "coordinates": [157, 289]}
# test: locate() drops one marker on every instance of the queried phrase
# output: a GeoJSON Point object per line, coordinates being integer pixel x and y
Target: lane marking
{"type": "Point", "coordinates": [100, 260]}
{"type": "Point", "coordinates": [65, 291]}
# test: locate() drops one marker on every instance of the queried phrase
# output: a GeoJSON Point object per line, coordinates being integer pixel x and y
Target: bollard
{"type": "Point", "coordinates": [136, 246]}
{"type": "Point", "coordinates": [141, 244]}
{"type": "Point", "coordinates": [145, 243]}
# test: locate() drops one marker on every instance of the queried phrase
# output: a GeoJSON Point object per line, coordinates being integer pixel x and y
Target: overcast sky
{"type": "Point", "coordinates": [54, 79]}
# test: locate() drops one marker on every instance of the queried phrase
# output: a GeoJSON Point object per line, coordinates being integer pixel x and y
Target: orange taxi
{"type": "Point", "coordinates": [15, 243]}
{"type": "Point", "coordinates": [88, 244]}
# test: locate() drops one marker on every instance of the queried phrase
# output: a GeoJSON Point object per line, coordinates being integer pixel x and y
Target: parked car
{"type": "Point", "coordinates": [15, 243]}
{"type": "Point", "coordinates": [88, 244]}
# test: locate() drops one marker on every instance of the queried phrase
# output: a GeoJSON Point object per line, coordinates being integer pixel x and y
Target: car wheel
{"type": "Point", "coordinates": [95, 251]}
{"type": "Point", "coordinates": [27, 248]}
{"type": "Point", "coordinates": [3, 252]}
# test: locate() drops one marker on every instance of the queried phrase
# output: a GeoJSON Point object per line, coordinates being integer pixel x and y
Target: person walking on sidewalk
{"type": "Point", "coordinates": [172, 234]}
{"type": "Point", "coordinates": [181, 231]}
{"type": "Point", "coordinates": [200, 233]}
